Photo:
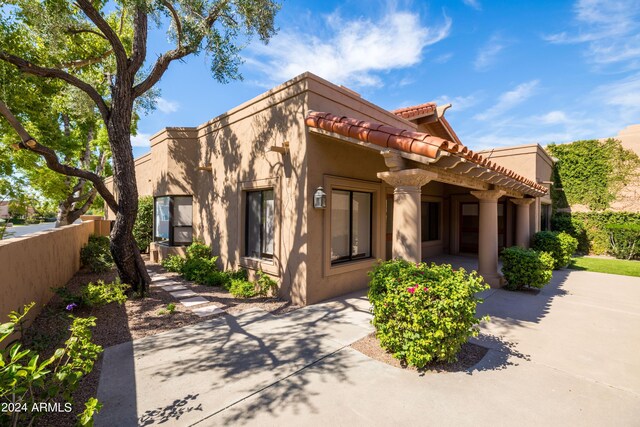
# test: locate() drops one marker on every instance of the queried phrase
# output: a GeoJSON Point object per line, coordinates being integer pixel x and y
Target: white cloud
{"type": "Point", "coordinates": [141, 140]}
{"type": "Point", "coordinates": [166, 106]}
{"type": "Point", "coordinates": [488, 53]}
{"type": "Point", "coordinates": [349, 51]}
{"type": "Point", "coordinates": [553, 117]}
{"type": "Point", "coordinates": [473, 3]}
{"type": "Point", "coordinates": [458, 103]}
{"type": "Point", "coordinates": [611, 30]}
{"type": "Point", "coordinates": [509, 99]}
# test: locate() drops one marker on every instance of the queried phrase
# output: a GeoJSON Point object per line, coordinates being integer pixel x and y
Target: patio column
{"type": "Point", "coordinates": [523, 225]}
{"type": "Point", "coordinates": [407, 234]}
{"type": "Point", "coordinates": [488, 236]}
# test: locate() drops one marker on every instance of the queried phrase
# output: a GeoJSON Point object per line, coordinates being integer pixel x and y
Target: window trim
{"type": "Point", "coordinates": [439, 200]}
{"type": "Point", "coordinates": [350, 256]}
{"type": "Point", "coordinates": [263, 255]}
{"type": "Point", "coordinates": [271, 266]}
{"type": "Point", "coordinates": [330, 183]}
{"type": "Point", "coordinates": [170, 241]}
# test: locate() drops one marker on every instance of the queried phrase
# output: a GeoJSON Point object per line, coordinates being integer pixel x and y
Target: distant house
{"type": "Point", "coordinates": [312, 184]}
{"type": "Point", "coordinates": [4, 210]}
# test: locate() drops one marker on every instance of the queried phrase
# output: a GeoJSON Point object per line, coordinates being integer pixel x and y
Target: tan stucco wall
{"type": "Point", "coordinates": [32, 265]}
{"type": "Point", "coordinates": [236, 147]}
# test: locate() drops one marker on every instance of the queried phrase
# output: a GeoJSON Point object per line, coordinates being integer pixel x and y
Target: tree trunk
{"type": "Point", "coordinates": [131, 267]}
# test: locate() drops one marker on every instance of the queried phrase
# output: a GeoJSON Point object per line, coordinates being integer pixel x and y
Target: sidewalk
{"type": "Point", "coordinates": [189, 374]}
{"type": "Point", "coordinates": [565, 356]}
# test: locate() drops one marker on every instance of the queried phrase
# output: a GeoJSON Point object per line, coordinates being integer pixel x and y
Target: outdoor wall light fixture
{"type": "Point", "coordinates": [320, 199]}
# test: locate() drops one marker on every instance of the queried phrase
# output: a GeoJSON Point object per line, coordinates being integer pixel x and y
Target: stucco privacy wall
{"type": "Point", "coordinates": [32, 265]}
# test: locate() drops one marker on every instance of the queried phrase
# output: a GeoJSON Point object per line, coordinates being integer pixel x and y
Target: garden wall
{"type": "Point", "coordinates": [30, 266]}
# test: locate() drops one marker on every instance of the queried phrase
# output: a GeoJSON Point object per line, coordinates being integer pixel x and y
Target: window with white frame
{"type": "Point", "coordinates": [173, 220]}
{"type": "Point", "coordinates": [259, 224]}
{"type": "Point", "coordinates": [351, 224]}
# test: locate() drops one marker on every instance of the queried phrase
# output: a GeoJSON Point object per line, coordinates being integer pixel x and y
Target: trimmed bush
{"type": "Point", "coordinates": [198, 250]}
{"type": "Point", "coordinates": [265, 284]}
{"type": "Point", "coordinates": [423, 313]}
{"type": "Point", "coordinates": [96, 255]}
{"type": "Point", "coordinates": [173, 263]}
{"type": "Point", "coordinates": [526, 267]}
{"type": "Point", "coordinates": [561, 246]}
{"type": "Point", "coordinates": [199, 269]}
{"type": "Point", "coordinates": [625, 240]}
{"type": "Point", "coordinates": [143, 227]}
{"type": "Point", "coordinates": [100, 293]}
{"type": "Point", "coordinates": [241, 288]}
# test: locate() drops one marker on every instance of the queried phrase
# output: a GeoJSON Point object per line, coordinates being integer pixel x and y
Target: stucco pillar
{"type": "Point", "coordinates": [407, 234]}
{"type": "Point", "coordinates": [488, 236]}
{"type": "Point", "coordinates": [523, 222]}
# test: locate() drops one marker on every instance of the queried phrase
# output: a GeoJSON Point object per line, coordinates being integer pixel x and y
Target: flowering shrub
{"type": "Point", "coordinates": [421, 312]}
{"type": "Point", "coordinates": [526, 267]}
{"type": "Point", "coordinates": [561, 246]}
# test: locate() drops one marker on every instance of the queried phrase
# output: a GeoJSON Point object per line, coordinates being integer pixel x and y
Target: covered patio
{"type": "Point", "coordinates": [479, 206]}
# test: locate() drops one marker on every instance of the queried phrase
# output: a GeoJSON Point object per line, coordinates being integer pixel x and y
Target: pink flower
{"type": "Point", "coordinates": [426, 289]}
{"type": "Point", "coordinates": [412, 289]}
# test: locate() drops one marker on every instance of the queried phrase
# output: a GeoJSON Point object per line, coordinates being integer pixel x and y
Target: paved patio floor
{"type": "Point", "coordinates": [565, 356]}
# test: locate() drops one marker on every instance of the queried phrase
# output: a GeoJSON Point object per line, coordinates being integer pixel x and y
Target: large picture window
{"type": "Point", "coordinates": [259, 224]}
{"type": "Point", "coordinates": [350, 225]}
{"type": "Point", "coordinates": [430, 218]}
{"type": "Point", "coordinates": [173, 220]}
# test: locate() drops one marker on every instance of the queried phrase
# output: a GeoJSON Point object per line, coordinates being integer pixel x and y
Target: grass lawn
{"type": "Point", "coordinates": [607, 265]}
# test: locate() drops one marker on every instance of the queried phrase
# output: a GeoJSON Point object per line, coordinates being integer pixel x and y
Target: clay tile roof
{"type": "Point", "coordinates": [419, 143]}
{"type": "Point", "coordinates": [416, 110]}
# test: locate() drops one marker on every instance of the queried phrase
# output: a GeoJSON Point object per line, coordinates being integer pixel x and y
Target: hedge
{"type": "Point", "coordinates": [590, 228]}
{"type": "Point", "coordinates": [560, 245]}
{"type": "Point", "coordinates": [526, 267]}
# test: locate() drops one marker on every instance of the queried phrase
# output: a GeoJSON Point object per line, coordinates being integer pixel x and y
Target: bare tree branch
{"type": "Point", "coordinates": [84, 62]}
{"type": "Point", "coordinates": [52, 158]}
{"type": "Point", "coordinates": [176, 20]}
{"type": "Point", "coordinates": [109, 33]}
{"type": "Point", "coordinates": [162, 63]}
{"type": "Point", "coordinates": [139, 40]}
{"type": "Point", "coordinates": [29, 68]}
{"type": "Point", "coordinates": [85, 30]}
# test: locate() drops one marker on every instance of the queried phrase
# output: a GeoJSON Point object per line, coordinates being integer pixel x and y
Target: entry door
{"type": "Point", "coordinates": [470, 221]}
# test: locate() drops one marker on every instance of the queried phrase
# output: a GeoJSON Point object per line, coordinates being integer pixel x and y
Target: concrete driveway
{"type": "Point", "coordinates": [565, 356]}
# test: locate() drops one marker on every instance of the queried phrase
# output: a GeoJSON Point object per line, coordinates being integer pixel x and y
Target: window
{"type": "Point", "coordinates": [173, 220]}
{"type": "Point", "coordinates": [350, 225]}
{"type": "Point", "coordinates": [545, 217]}
{"type": "Point", "coordinates": [430, 213]}
{"type": "Point", "coordinates": [259, 221]}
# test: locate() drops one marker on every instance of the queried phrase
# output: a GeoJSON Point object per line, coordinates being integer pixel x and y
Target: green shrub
{"type": "Point", "coordinates": [241, 288]}
{"type": "Point", "coordinates": [96, 255]}
{"type": "Point", "coordinates": [199, 269]}
{"type": "Point", "coordinates": [266, 284]}
{"type": "Point", "coordinates": [423, 313]}
{"type": "Point", "coordinates": [143, 227]}
{"type": "Point", "coordinates": [590, 228]}
{"type": "Point", "coordinates": [100, 293]}
{"type": "Point", "coordinates": [561, 246]}
{"type": "Point", "coordinates": [26, 379]}
{"type": "Point", "coordinates": [218, 278]}
{"type": "Point", "coordinates": [526, 267]}
{"type": "Point", "coordinates": [173, 263]}
{"type": "Point", "coordinates": [198, 250]}
{"type": "Point", "coordinates": [625, 240]}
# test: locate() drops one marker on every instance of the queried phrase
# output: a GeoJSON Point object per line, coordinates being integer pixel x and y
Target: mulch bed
{"type": "Point", "coordinates": [468, 356]}
{"type": "Point", "coordinates": [117, 324]}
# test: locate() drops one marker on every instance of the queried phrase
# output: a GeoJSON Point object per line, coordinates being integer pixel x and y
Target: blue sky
{"type": "Point", "coordinates": [516, 72]}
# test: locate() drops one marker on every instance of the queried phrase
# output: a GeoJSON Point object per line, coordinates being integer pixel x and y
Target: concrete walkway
{"type": "Point", "coordinates": [565, 356]}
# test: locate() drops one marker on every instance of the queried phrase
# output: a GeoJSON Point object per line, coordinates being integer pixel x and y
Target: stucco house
{"type": "Point", "coordinates": [312, 184]}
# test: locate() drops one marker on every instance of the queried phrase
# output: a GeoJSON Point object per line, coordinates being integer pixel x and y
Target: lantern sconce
{"type": "Point", "coordinates": [320, 199]}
